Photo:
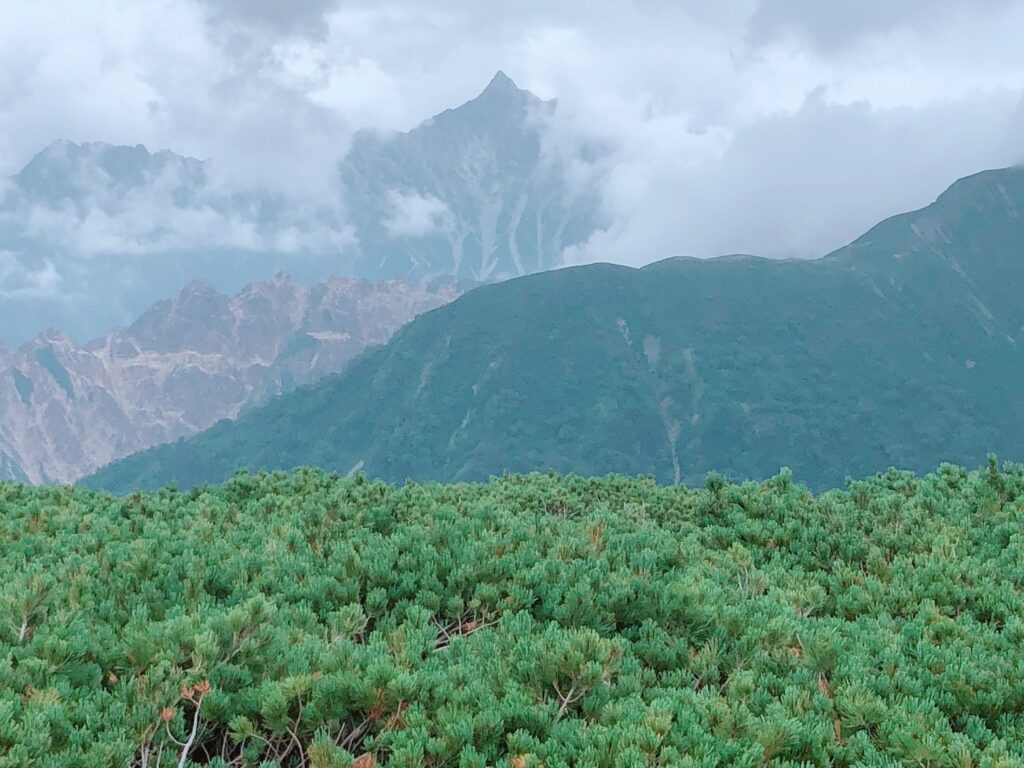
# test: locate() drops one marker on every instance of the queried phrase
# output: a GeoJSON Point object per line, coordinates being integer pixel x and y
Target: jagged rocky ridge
{"type": "Point", "coordinates": [68, 408]}
{"type": "Point", "coordinates": [472, 192]}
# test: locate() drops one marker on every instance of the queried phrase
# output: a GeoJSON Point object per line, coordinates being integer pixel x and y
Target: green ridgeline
{"type": "Point", "coordinates": [902, 349]}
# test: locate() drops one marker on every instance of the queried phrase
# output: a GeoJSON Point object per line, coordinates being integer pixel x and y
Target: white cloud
{"type": "Point", "coordinates": [148, 224]}
{"type": "Point", "coordinates": [802, 183]}
{"type": "Point", "coordinates": [413, 215]}
{"type": "Point", "coordinates": [715, 144]}
{"type": "Point", "coordinates": [20, 281]}
{"type": "Point", "coordinates": [171, 207]}
{"type": "Point", "coordinates": [779, 126]}
{"type": "Point", "coordinates": [294, 15]}
{"type": "Point", "coordinates": [829, 26]}
{"type": "Point", "coordinates": [164, 74]}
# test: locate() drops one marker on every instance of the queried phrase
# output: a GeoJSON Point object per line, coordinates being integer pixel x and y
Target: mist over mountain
{"type": "Point", "coordinates": [873, 356]}
{"type": "Point", "coordinates": [67, 408]}
{"type": "Point", "coordinates": [91, 234]}
{"type": "Point", "coordinates": [470, 193]}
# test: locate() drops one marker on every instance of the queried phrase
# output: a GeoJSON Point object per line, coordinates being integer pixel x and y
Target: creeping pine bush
{"type": "Point", "coordinates": [305, 620]}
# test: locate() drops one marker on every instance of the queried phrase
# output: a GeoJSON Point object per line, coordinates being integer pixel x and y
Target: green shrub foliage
{"type": "Point", "coordinates": [305, 620]}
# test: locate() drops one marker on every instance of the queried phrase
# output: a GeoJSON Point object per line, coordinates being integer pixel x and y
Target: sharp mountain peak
{"type": "Point", "coordinates": [47, 338]}
{"type": "Point", "coordinates": [496, 102]}
{"type": "Point", "coordinates": [502, 82]}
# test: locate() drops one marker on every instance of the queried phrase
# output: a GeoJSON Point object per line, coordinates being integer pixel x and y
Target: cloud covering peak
{"type": "Point", "coordinates": [784, 127]}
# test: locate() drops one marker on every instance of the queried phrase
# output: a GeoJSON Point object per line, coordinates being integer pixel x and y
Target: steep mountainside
{"type": "Point", "coordinates": [92, 234]}
{"type": "Point", "coordinates": [903, 348]}
{"type": "Point", "coordinates": [66, 409]}
{"type": "Point", "coordinates": [470, 192]}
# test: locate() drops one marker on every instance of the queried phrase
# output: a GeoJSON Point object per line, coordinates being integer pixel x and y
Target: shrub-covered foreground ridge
{"type": "Point", "coordinates": [303, 619]}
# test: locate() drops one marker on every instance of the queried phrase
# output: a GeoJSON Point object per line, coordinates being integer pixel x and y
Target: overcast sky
{"type": "Point", "coordinates": [779, 127]}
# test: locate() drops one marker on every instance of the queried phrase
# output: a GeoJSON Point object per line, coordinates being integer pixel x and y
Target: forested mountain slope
{"type": "Point", "coordinates": [901, 349]}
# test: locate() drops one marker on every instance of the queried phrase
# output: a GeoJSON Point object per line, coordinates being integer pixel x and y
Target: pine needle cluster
{"type": "Point", "coordinates": [302, 619]}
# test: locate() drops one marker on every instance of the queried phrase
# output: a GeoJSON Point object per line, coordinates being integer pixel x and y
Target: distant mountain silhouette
{"type": "Point", "coordinates": [92, 234]}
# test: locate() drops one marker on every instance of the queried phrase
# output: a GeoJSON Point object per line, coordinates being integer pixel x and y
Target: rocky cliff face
{"type": "Point", "coordinates": [67, 409]}
{"type": "Point", "coordinates": [472, 192]}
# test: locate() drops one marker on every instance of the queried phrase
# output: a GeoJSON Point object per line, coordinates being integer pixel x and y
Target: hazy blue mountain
{"type": "Point", "coordinates": [903, 348]}
{"type": "Point", "coordinates": [92, 234]}
{"type": "Point", "coordinates": [470, 193]}
{"type": "Point", "coordinates": [65, 173]}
